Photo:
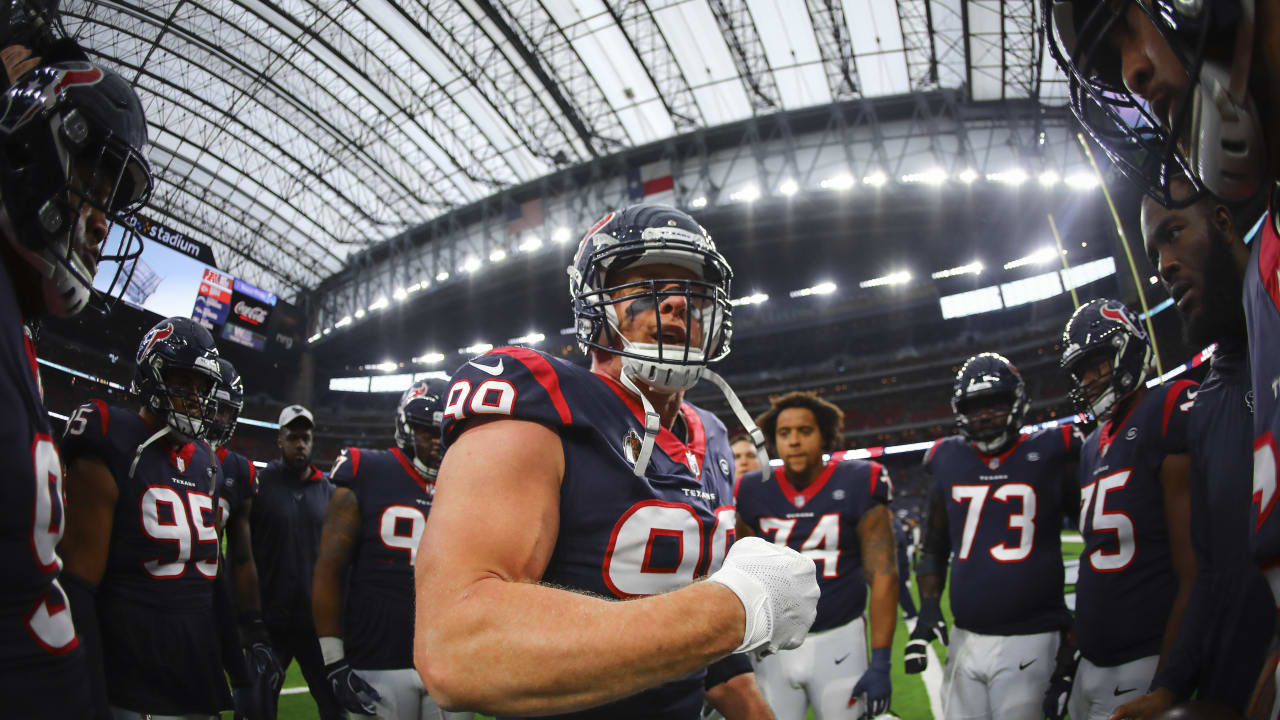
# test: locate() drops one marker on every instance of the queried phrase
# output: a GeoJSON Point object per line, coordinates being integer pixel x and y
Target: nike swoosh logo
{"type": "Point", "coordinates": [1120, 692]}
{"type": "Point", "coordinates": [1027, 664]}
{"type": "Point", "coordinates": [491, 369]}
{"type": "Point", "coordinates": [842, 658]}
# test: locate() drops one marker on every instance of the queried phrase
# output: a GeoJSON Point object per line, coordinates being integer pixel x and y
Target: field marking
{"type": "Point", "coordinates": [933, 681]}
{"type": "Point", "coordinates": [295, 691]}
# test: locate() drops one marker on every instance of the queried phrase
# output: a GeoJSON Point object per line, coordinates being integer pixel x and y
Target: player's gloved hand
{"type": "Point", "coordinates": [929, 625]}
{"type": "Point", "coordinates": [249, 703]}
{"type": "Point", "coordinates": [778, 588]}
{"type": "Point", "coordinates": [349, 689]}
{"type": "Point", "coordinates": [267, 677]}
{"type": "Point", "coordinates": [1064, 675]}
{"type": "Point", "coordinates": [874, 688]}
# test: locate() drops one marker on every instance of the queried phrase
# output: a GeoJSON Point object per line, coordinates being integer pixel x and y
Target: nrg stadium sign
{"type": "Point", "coordinates": [172, 239]}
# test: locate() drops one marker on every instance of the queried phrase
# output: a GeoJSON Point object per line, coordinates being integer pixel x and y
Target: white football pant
{"type": "Point", "coordinates": [404, 697]}
{"type": "Point", "coordinates": [997, 677]}
{"type": "Point", "coordinates": [821, 672]}
{"type": "Point", "coordinates": [1098, 691]}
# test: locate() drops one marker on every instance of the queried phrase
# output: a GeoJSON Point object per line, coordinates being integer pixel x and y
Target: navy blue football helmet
{"type": "Point", "coordinates": [178, 343]}
{"type": "Point", "coordinates": [230, 396]}
{"type": "Point", "coordinates": [983, 379]}
{"type": "Point", "coordinates": [422, 406]}
{"type": "Point", "coordinates": [649, 234]}
{"type": "Point", "coordinates": [72, 137]}
{"type": "Point", "coordinates": [1105, 330]}
{"type": "Point", "coordinates": [1209, 130]}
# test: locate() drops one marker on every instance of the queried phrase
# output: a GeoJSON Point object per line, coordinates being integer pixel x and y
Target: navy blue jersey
{"type": "Point", "coordinates": [1004, 521]}
{"type": "Point", "coordinates": [285, 522]}
{"type": "Point", "coordinates": [1127, 584]}
{"type": "Point", "coordinates": [820, 521]}
{"type": "Point", "coordinates": [37, 637]}
{"type": "Point", "coordinates": [239, 483]}
{"type": "Point", "coordinates": [1262, 310]}
{"type": "Point", "coordinates": [394, 499]}
{"type": "Point", "coordinates": [621, 536]}
{"type": "Point", "coordinates": [157, 590]}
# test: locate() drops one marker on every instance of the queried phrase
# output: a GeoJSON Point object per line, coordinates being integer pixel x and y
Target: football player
{"type": "Point", "coordinates": [235, 498]}
{"type": "Point", "coordinates": [836, 513]}
{"type": "Point", "coordinates": [744, 456]}
{"type": "Point", "coordinates": [142, 530]}
{"type": "Point", "coordinates": [995, 514]}
{"type": "Point", "coordinates": [564, 486]}
{"type": "Point", "coordinates": [367, 547]}
{"type": "Point", "coordinates": [1222, 643]}
{"type": "Point", "coordinates": [1172, 88]}
{"type": "Point", "coordinates": [84, 187]}
{"type": "Point", "coordinates": [1138, 564]}
{"type": "Point", "coordinates": [285, 517]}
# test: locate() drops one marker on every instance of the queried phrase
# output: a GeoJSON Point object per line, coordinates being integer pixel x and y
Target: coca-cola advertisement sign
{"type": "Point", "coordinates": [255, 314]}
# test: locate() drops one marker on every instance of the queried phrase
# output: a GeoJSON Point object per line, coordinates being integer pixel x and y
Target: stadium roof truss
{"type": "Point", "coordinates": [291, 134]}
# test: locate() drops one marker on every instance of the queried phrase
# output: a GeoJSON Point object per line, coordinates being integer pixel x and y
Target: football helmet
{"type": "Point", "coordinates": [651, 234]}
{"type": "Point", "coordinates": [1210, 132]}
{"type": "Point", "coordinates": [1105, 330]}
{"type": "Point", "coordinates": [422, 405]}
{"type": "Point", "coordinates": [178, 343]}
{"type": "Point", "coordinates": [229, 393]}
{"type": "Point", "coordinates": [72, 134]}
{"type": "Point", "coordinates": [983, 377]}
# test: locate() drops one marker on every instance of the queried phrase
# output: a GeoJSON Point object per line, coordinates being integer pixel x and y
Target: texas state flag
{"type": "Point", "coordinates": [652, 183]}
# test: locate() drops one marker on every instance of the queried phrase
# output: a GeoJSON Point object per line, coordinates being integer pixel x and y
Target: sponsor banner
{"type": "Point", "coordinates": [152, 230]}
{"type": "Point", "coordinates": [248, 311]}
{"type": "Point", "coordinates": [244, 336]}
{"type": "Point", "coordinates": [262, 296]}
{"type": "Point", "coordinates": [213, 300]}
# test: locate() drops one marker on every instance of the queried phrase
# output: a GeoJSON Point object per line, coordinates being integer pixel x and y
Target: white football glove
{"type": "Point", "coordinates": [778, 588]}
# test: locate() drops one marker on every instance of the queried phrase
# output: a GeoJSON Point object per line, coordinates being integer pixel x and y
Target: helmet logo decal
{"type": "Point", "coordinates": [596, 228]}
{"type": "Point", "coordinates": [156, 336]}
{"type": "Point", "coordinates": [1111, 312]}
{"type": "Point", "coordinates": [90, 75]}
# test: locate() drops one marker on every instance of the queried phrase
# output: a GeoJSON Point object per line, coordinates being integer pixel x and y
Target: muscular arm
{"type": "Point", "coordinates": [338, 538]}
{"type": "Point", "coordinates": [91, 507]}
{"type": "Point", "coordinates": [244, 569]}
{"type": "Point", "coordinates": [880, 562]}
{"type": "Point", "coordinates": [489, 637]}
{"type": "Point", "coordinates": [935, 551]}
{"type": "Point", "coordinates": [1175, 473]}
{"type": "Point", "coordinates": [739, 698]}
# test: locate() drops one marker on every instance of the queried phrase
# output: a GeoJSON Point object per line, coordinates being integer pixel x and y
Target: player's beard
{"type": "Point", "coordinates": [1221, 312]}
{"type": "Point", "coordinates": [295, 464]}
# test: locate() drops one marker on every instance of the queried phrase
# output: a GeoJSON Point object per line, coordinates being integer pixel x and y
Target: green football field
{"type": "Point", "coordinates": [911, 693]}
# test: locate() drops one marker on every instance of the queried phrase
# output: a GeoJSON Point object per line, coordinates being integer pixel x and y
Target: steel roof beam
{"type": "Point", "coordinates": [739, 30]}
{"type": "Point", "coordinates": [640, 28]}
{"type": "Point", "coordinates": [835, 46]}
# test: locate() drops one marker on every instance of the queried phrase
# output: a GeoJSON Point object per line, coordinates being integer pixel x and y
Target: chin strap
{"type": "Point", "coordinates": [757, 436]}
{"type": "Point", "coordinates": [652, 425]}
{"type": "Point", "coordinates": [138, 455]}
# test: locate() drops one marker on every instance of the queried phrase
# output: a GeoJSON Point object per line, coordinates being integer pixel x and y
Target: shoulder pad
{"type": "Point", "coordinates": [86, 433]}
{"type": "Point", "coordinates": [344, 469]}
{"type": "Point", "coordinates": [515, 382]}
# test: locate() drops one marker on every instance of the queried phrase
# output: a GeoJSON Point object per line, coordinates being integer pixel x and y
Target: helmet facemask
{"type": "Point", "coordinates": [1121, 369]}
{"type": "Point", "coordinates": [987, 433]}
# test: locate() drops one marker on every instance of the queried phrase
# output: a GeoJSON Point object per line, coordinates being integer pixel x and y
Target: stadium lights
{"type": "Point", "coordinates": [560, 235]}
{"type": "Point", "coordinates": [699, 202]}
{"type": "Point", "coordinates": [1153, 279]}
{"type": "Point", "coordinates": [1048, 178]}
{"type": "Point", "coordinates": [360, 314]}
{"type": "Point", "coordinates": [1042, 255]}
{"type": "Point", "coordinates": [498, 255]}
{"type": "Point", "coordinates": [471, 264]}
{"type": "Point", "coordinates": [825, 288]}
{"type": "Point", "coordinates": [442, 276]}
{"type": "Point", "coordinates": [532, 338]}
{"type": "Point", "coordinates": [314, 338]}
{"type": "Point", "coordinates": [531, 243]}
{"type": "Point", "coordinates": [747, 194]}
{"type": "Point", "coordinates": [1012, 177]}
{"type": "Point", "coordinates": [973, 268]}
{"type": "Point", "coordinates": [789, 187]}
{"type": "Point", "coordinates": [967, 176]}
{"type": "Point", "coordinates": [1081, 181]}
{"type": "Point", "coordinates": [385, 366]}
{"type": "Point", "coordinates": [380, 303]}
{"type": "Point", "coordinates": [753, 299]}
{"type": "Point", "coordinates": [932, 176]}
{"type": "Point", "coordinates": [569, 331]}
{"type": "Point", "coordinates": [418, 286]}
{"type": "Point", "coordinates": [897, 278]}
{"type": "Point", "coordinates": [479, 348]}
{"type": "Point", "coordinates": [345, 321]}
{"type": "Point", "coordinates": [328, 330]}
{"type": "Point", "coordinates": [400, 294]}
{"type": "Point", "coordinates": [843, 181]}
{"type": "Point", "coordinates": [875, 179]}
{"type": "Point", "coordinates": [430, 358]}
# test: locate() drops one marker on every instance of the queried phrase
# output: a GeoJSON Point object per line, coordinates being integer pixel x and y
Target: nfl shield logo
{"type": "Point", "coordinates": [182, 464]}
{"type": "Point", "coordinates": [993, 463]}
{"type": "Point", "coordinates": [692, 461]}
{"type": "Point", "coordinates": [799, 501]}
{"type": "Point", "coordinates": [838, 494]}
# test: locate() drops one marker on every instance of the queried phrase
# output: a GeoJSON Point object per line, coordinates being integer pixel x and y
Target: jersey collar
{"type": "Point", "coordinates": [1108, 431]}
{"type": "Point", "coordinates": [413, 471]}
{"type": "Point", "coordinates": [995, 461]}
{"type": "Point", "coordinates": [678, 451]}
{"type": "Point", "coordinates": [802, 498]}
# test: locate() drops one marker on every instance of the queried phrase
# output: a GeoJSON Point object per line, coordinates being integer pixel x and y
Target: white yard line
{"type": "Point", "coordinates": [295, 691]}
{"type": "Point", "coordinates": [932, 677]}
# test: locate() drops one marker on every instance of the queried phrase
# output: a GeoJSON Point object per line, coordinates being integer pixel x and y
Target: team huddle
{"type": "Point", "coordinates": [552, 539]}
